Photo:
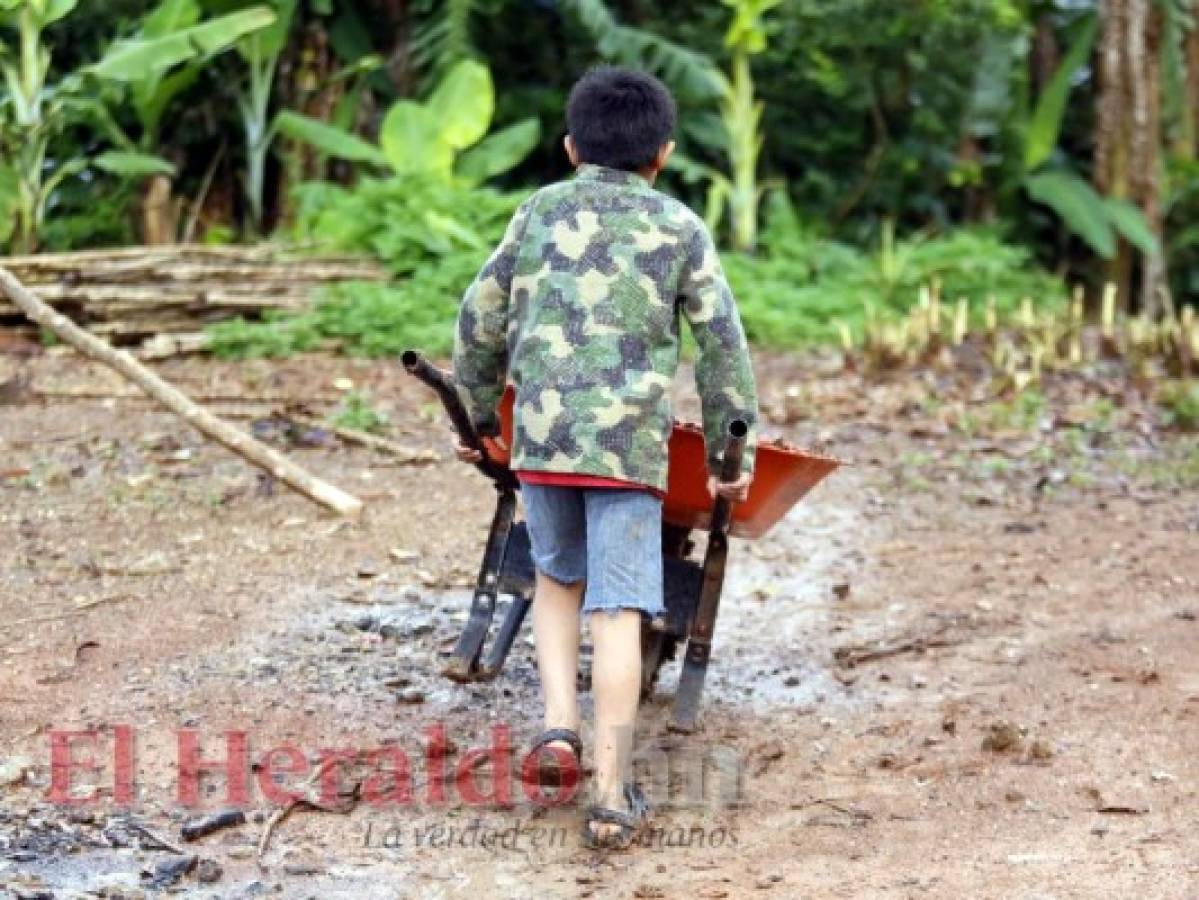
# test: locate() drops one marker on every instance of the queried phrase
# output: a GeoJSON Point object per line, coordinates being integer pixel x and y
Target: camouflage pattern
{"type": "Point", "coordinates": [579, 306]}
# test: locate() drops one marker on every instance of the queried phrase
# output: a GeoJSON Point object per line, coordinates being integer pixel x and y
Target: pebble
{"type": "Point", "coordinates": [369, 568]}
{"type": "Point", "coordinates": [1040, 750]}
{"type": "Point", "coordinates": [209, 871]}
{"type": "Point", "coordinates": [13, 770]}
{"type": "Point", "coordinates": [1002, 737]}
{"type": "Point", "coordinates": [171, 870]}
{"type": "Point", "coordinates": [411, 696]}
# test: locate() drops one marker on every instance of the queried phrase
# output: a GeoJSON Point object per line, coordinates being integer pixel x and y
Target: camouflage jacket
{"type": "Point", "coordinates": [579, 305]}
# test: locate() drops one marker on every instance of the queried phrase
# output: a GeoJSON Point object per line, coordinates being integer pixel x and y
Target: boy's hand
{"type": "Point", "coordinates": [468, 455]}
{"type": "Point", "coordinates": [734, 491]}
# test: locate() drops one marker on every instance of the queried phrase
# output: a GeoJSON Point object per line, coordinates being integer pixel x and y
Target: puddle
{"type": "Point", "coordinates": [772, 650]}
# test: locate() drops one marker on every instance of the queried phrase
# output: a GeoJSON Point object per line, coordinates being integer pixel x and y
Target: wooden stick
{"type": "Point", "coordinates": [364, 438]}
{"type": "Point", "coordinates": [343, 807]}
{"type": "Point", "coordinates": [77, 610]}
{"type": "Point", "coordinates": [239, 442]}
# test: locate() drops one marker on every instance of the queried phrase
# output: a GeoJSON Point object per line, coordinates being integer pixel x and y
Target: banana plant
{"type": "Point", "coordinates": [152, 95]}
{"type": "Point", "coordinates": [444, 138]}
{"type": "Point", "coordinates": [1045, 175]}
{"type": "Point", "coordinates": [739, 190]}
{"type": "Point", "coordinates": [741, 113]}
{"type": "Point", "coordinates": [253, 90]}
{"type": "Point", "coordinates": [34, 112]}
{"type": "Point", "coordinates": [260, 53]}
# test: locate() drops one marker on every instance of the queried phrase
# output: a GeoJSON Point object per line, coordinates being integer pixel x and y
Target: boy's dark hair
{"type": "Point", "coordinates": [619, 118]}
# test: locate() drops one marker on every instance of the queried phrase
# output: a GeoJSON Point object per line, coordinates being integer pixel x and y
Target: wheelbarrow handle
{"type": "Point", "coordinates": [730, 470]}
{"type": "Point", "coordinates": [443, 385]}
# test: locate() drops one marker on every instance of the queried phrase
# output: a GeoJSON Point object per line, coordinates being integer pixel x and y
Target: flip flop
{"type": "Point", "coordinates": [548, 771]}
{"type": "Point", "coordinates": [630, 823]}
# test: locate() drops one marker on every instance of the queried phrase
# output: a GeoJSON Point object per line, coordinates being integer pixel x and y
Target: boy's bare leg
{"type": "Point", "coordinates": [616, 684]}
{"type": "Point", "coordinates": [556, 638]}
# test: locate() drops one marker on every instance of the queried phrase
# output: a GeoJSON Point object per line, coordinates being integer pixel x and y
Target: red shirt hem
{"type": "Point", "coordinates": [569, 479]}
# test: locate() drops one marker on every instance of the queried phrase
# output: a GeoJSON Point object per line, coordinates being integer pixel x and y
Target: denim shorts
{"type": "Point", "coordinates": [609, 537]}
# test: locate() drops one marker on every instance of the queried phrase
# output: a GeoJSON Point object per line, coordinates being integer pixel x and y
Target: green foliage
{"type": "Point", "coordinates": [327, 138]}
{"type": "Point", "coordinates": [132, 164]}
{"type": "Point", "coordinates": [444, 35]}
{"type": "Point", "coordinates": [689, 73]}
{"type": "Point", "coordinates": [1180, 400]}
{"type": "Point", "coordinates": [865, 102]}
{"type": "Point", "coordinates": [1021, 413]}
{"type": "Point", "coordinates": [441, 138]}
{"type": "Point", "coordinates": [433, 234]}
{"type": "Point", "coordinates": [356, 411]}
{"type": "Point", "coordinates": [1045, 126]}
{"type": "Point", "coordinates": [804, 286]}
{"type": "Point", "coordinates": [37, 114]}
{"type": "Point", "coordinates": [179, 21]}
{"type": "Point", "coordinates": [82, 216]}
{"type": "Point", "coordinates": [165, 47]}
{"type": "Point", "coordinates": [362, 318]}
{"type": "Point", "coordinates": [260, 52]}
{"type": "Point", "coordinates": [1098, 220]}
{"type": "Point", "coordinates": [370, 319]}
{"type": "Point", "coordinates": [797, 292]}
{"type": "Point", "coordinates": [275, 336]}
{"type": "Point", "coordinates": [404, 221]}
{"type": "Point", "coordinates": [1182, 226]}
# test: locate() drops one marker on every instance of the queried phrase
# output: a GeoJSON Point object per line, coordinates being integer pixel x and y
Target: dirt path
{"type": "Point", "coordinates": [960, 668]}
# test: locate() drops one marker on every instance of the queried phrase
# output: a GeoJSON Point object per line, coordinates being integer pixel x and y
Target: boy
{"type": "Point", "coordinates": [579, 306]}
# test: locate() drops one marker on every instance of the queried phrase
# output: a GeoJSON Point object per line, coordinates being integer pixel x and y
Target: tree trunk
{"type": "Point", "coordinates": [1045, 55]}
{"type": "Point", "coordinates": [1129, 134]}
{"type": "Point", "coordinates": [249, 449]}
{"type": "Point", "coordinates": [1189, 144]}
{"type": "Point", "coordinates": [1111, 145]}
{"type": "Point", "coordinates": [160, 212]}
{"type": "Point", "coordinates": [1145, 42]}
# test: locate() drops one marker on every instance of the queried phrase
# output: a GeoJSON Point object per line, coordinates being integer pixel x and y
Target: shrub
{"type": "Point", "coordinates": [1180, 400]}
{"type": "Point", "coordinates": [802, 285]}
{"type": "Point", "coordinates": [434, 236]}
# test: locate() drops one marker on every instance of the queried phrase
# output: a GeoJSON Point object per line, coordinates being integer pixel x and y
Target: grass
{"type": "Point", "coordinates": [1180, 401]}
{"type": "Point", "coordinates": [356, 412]}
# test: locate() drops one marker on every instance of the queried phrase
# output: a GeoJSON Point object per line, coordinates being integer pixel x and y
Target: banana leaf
{"type": "Point", "coordinates": [137, 59]}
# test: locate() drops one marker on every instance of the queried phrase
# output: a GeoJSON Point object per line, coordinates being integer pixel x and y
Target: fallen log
{"type": "Point", "coordinates": [206, 423]}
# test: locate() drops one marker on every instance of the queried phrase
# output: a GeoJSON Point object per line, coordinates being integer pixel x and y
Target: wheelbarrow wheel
{"type": "Point", "coordinates": [656, 648]}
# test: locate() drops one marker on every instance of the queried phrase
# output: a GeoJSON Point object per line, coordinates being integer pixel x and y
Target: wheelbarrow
{"type": "Point", "coordinates": [782, 476]}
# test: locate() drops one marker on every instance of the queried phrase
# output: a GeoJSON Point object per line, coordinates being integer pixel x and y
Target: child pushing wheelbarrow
{"type": "Point", "coordinates": [579, 309]}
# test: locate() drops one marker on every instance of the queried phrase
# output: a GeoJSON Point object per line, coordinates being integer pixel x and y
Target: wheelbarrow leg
{"type": "Point", "coordinates": [699, 646]}
{"type": "Point", "coordinates": [464, 662]}
{"type": "Point", "coordinates": [502, 644]}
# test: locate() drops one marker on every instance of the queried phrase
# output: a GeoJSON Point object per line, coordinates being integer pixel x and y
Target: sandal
{"type": "Point", "coordinates": [548, 770]}
{"type": "Point", "coordinates": [630, 822]}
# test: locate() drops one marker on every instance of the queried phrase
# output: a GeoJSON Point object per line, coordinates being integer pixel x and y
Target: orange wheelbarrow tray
{"type": "Point", "coordinates": [783, 475]}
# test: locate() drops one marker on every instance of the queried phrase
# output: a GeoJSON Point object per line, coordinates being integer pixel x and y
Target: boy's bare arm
{"type": "Point", "coordinates": [723, 371]}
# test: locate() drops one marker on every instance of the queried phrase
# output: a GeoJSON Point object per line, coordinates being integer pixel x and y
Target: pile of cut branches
{"type": "Point", "coordinates": [160, 299]}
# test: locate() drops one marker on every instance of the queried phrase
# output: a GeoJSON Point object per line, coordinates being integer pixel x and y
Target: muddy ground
{"type": "Point", "coordinates": [965, 666]}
